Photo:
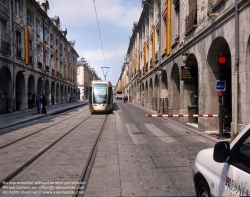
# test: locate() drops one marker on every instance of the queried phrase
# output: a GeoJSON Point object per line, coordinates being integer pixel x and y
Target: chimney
{"type": "Point", "coordinates": [72, 43]}
{"type": "Point", "coordinates": [64, 32]}
{"type": "Point", "coordinates": [44, 4]}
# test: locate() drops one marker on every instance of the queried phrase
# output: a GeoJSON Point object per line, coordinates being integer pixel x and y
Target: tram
{"type": "Point", "coordinates": [101, 97]}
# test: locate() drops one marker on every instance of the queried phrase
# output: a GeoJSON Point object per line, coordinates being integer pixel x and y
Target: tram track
{"type": "Point", "coordinates": [26, 136]}
{"type": "Point", "coordinates": [83, 181]}
{"type": "Point", "coordinates": [27, 163]}
{"type": "Point", "coordinates": [83, 176]}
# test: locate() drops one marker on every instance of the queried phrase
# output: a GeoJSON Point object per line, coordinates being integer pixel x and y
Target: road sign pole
{"type": "Point", "coordinates": [221, 121]}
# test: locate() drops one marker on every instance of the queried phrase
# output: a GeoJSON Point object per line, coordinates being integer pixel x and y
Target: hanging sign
{"type": "Point", "coordinates": [187, 73]}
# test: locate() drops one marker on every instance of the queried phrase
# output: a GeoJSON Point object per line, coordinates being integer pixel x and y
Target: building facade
{"type": "Point", "coordinates": [35, 56]}
{"type": "Point", "coordinates": [172, 65]}
{"type": "Point", "coordinates": [85, 75]}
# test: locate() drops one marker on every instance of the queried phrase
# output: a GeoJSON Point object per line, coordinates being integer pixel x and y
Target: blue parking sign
{"type": "Point", "coordinates": [220, 85]}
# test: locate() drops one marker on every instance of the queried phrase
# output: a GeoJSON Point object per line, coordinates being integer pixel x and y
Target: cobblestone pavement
{"type": "Point", "coordinates": [137, 156]}
{"type": "Point", "coordinates": [155, 157]}
{"type": "Point", "coordinates": [56, 172]}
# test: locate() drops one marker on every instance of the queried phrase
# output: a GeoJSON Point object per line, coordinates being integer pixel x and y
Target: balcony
{"type": "Point", "coordinates": [5, 46]}
{"type": "Point", "coordinates": [191, 22]}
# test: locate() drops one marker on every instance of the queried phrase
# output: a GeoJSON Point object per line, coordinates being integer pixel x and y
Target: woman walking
{"type": "Point", "coordinates": [33, 103]}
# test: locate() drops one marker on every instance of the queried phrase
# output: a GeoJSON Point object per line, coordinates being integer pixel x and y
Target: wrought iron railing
{"type": "Point", "coordinates": [191, 20]}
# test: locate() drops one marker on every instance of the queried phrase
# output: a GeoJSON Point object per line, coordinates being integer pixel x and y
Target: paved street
{"type": "Point", "coordinates": [154, 156]}
{"type": "Point", "coordinates": [136, 156]}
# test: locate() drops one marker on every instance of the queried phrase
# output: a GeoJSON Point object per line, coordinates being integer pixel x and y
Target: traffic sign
{"type": "Point", "coordinates": [220, 85]}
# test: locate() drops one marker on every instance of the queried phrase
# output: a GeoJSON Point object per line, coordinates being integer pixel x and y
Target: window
{"type": "Point", "coordinates": [18, 45]}
{"type": "Point", "coordinates": [29, 18]}
{"type": "Point", "coordinates": [241, 153]}
{"type": "Point", "coordinates": [31, 51]}
{"type": "Point", "coordinates": [18, 8]}
{"type": "Point", "coordinates": [38, 28]}
{"type": "Point", "coordinates": [2, 29]}
{"type": "Point", "coordinates": [191, 20]}
{"type": "Point", "coordinates": [51, 40]}
{"type": "Point", "coordinates": [244, 159]}
{"type": "Point", "coordinates": [4, 45]}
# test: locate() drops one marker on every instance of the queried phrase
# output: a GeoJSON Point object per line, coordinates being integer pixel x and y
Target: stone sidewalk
{"type": "Point", "coordinates": [18, 117]}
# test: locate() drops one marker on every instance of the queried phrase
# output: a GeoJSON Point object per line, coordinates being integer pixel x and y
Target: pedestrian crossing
{"type": "Point", "coordinates": [138, 138]}
{"type": "Point", "coordinates": [135, 134]}
{"type": "Point", "coordinates": [183, 133]}
{"type": "Point", "coordinates": [160, 134]}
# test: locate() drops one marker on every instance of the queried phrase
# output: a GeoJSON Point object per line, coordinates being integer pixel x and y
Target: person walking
{"type": "Point", "coordinates": [126, 98]}
{"type": "Point", "coordinates": [33, 103]}
{"type": "Point", "coordinates": [38, 103]}
{"type": "Point", "coordinates": [44, 111]}
{"type": "Point", "coordinates": [53, 100]}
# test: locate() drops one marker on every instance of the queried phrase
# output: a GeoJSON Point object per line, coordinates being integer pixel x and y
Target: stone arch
{"type": "Point", "coordinates": [31, 90]}
{"type": "Point", "coordinates": [190, 87]}
{"type": "Point", "coordinates": [150, 93]}
{"type": "Point", "coordinates": [146, 94]}
{"type": "Point", "coordinates": [21, 95]}
{"type": "Point", "coordinates": [164, 92]}
{"type": "Point", "coordinates": [5, 90]}
{"type": "Point", "coordinates": [156, 93]}
{"type": "Point", "coordinates": [57, 93]}
{"type": "Point", "coordinates": [47, 91]}
{"type": "Point", "coordinates": [210, 95]}
{"type": "Point", "coordinates": [174, 97]}
{"type": "Point", "coordinates": [40, 85]}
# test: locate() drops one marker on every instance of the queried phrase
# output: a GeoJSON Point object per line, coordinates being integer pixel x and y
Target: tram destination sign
{"type": "Point", "coordinates": [187, 73]}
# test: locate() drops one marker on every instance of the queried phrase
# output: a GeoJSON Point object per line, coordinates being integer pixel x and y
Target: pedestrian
{"type": "Point", "coordinates": [38, 103]}
{"type": "Point", "coordinates": [53, 100]}
{"type": "Point", "coordinates": [126, 98]}
{"type": "Point", "coordinates": [33, 103]}
{"type": "Point", "coordinates": [44, 103]}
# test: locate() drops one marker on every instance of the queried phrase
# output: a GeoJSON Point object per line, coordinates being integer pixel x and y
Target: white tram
{"type": "Point", "coordinates": [101, 97]}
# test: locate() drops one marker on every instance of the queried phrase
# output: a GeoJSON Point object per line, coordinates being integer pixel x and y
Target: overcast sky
{"type": "Point", "coordinates": [116, 18]}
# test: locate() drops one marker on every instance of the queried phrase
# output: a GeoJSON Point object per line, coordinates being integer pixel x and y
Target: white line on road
{"type": "Point", "coordinates": [160, 134]}
{"type": "Point", "coordinates": [181, 131]}
{"type": "Point", "coordinates": [135, 134]}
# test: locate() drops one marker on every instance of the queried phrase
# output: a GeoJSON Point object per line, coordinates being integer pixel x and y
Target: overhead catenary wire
{"type": "Point", "coordinates": [99, 33]}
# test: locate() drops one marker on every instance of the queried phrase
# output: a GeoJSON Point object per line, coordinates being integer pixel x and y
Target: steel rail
{"type": "Point", "coordinates": [26, 164]}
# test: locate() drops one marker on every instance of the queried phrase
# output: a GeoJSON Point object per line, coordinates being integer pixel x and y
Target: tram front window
{"type": "Point", "coordinates": [100, 93]}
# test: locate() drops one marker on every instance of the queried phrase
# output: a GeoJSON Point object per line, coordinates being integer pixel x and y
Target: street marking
{"type": "Point", "coordinates": [160, 134]}
{"type": "Point", "coordinates": [181, 131]}
{"type": "Point", "coordinates": [135, 134]}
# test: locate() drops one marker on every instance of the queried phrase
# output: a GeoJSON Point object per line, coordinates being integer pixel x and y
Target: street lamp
{"type": "Point", "coordinates": [160, 71]}
{"type": "Point", "coordinates": [23, 72]}
{"type": "Point", "coordinates": [184, 56]}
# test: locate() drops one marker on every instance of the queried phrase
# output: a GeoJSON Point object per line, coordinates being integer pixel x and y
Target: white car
{"type": "Point", "coordinates": [225, 169]}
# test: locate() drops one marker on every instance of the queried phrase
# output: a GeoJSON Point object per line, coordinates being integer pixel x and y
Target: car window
{"type": "Point", "coordinates": [244, 156]}
{"type": "Point", "coordinates": [241, 153]}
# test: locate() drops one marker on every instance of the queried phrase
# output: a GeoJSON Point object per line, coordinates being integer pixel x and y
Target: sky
{"type": "Point", "coordinates": [115, 18]}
